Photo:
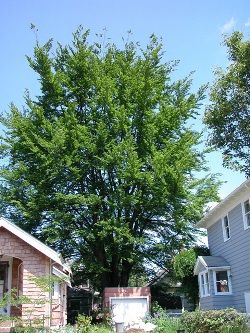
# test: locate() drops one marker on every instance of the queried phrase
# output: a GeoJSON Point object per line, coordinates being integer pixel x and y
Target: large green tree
{"type": "Point", "coordinates": [102, 165]}
{"type": "Point", "coordinates": [228, 115]}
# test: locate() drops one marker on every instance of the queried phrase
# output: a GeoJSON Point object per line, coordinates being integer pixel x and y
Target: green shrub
{"type": "Point", "coordinates": [100, 329]}
{"type": "Point", "coordinates": [164, 323]}
{"type": "Point", "coordinates": [214, 321]}
{"type": "Point", "coordinates": [83, 323]}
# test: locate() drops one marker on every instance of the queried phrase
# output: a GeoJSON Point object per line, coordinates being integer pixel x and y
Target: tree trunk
{"type": "Point", "coordinates": [126, 270]}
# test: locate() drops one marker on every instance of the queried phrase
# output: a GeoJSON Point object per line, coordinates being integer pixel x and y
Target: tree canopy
{"type": "Point", "coordinates": [227, 117]}
{"type": "Point", "coordinates": [102, 164]}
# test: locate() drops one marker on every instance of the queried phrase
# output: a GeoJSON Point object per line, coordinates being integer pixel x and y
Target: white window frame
{"type": "Point", "coordinates": [221, 293]}
{"type": "Point", "coordinates": [204, 284]}
{"type": "Point", "coordinates": [55, 290]}
{"type": "Point", "coordinates": [246, 214]}
{"type": "Point", "coordinates": [226, 228]}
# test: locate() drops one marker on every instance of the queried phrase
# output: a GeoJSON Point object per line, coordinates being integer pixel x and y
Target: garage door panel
{"type": "Point", "coordinates": [129, 310]}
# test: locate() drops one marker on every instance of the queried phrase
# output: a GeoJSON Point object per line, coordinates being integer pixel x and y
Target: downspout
{"type": "Point", "coordinates": [61, 303]}
{"type": "Point", "coordinates": [50, 293]}
{"type": "Point", "coordinates": [18, 277]}
{"type": "Point", "coordinates": [18, 286]}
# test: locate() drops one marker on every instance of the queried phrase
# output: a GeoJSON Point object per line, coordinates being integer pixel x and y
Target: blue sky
{"type": "Point", "coordinates": [191, 31]}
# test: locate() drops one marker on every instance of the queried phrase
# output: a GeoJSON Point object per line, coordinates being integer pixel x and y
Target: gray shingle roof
{"type": "Point", "coordinates": [213, 261]}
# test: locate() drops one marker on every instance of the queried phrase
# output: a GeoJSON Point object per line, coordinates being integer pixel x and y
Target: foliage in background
{"type": "Point", "coordinates": [102, 165]}
{"type": "Point", "coordinates": [163, 290]}
{"type": "Point", "coordinates": [227, 116]}
{"type": "Point", "coordinates": [139, 276]}
{"type": "Point", "coordinates": [214, 321]}
{"type": "Point", "coordinates": [184, 263]}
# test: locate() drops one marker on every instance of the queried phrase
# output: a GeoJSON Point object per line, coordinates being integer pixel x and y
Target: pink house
{"type": "Point", "coordinates": [24, 261]}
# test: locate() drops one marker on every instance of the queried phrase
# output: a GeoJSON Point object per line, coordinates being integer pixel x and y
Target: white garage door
{"type": "Point", "coordinates": [129, 310]}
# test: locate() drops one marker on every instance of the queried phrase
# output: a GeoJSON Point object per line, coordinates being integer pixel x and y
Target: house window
{"type": "Point", "coordinates": [222, 282]}
{"type": "Point", "coordinates": [204, 284]}
{"type": "Point", "coordinates": [246, 214]}
{"type": "Point", "coordinates": [55, 290]}
{"type": "Point", "coordinates": [225, 227]}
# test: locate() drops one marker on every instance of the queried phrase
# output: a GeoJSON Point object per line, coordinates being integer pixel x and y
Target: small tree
{"type": "Point", "coordinates": [184, 263]}
{"type": "Point", "coordinates": [13, 299]}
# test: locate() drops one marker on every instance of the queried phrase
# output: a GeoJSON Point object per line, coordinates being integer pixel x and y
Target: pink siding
{"type": "Point", "coordinates": [125, 292]}
{"type": "Point", "coordinates": [34, 264]}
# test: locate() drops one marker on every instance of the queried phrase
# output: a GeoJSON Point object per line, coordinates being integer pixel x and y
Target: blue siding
{"type": "Point", "coordinates": [215, 301]}
{"type": "Point", "coordinates": [236, 252]}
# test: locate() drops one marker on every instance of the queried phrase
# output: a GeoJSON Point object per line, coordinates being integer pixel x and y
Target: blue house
{"type": "Point", "coordinates": [224, 276]}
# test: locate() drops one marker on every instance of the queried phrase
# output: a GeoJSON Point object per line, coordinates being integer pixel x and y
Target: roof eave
{"type": "Point", "coordinates": [219, 267]}
{"type": "Point", "coordinates": [32, 241]}
{"type": "Point", "coordinates": [209, 218]}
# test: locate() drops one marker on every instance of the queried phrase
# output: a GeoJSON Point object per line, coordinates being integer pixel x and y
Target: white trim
{"type": "Point", "coordinates": [61, 275]}
{"type": "Point", "coordinates": [56, 289]}
{"type": "Point", "coordinates": [206, 284]}
{"type": "Point", "coordinates": [228, 280]}
{"type": "Point", "coordinates": [200, 261]}
{"type": "Point", "coordinates": [129, 297]}
{"type": "Point", "coordinates": [226, 237]}
{"type": "Point", "coordinates": [221, 268]}
{"type": "Point", "coordinates": [226, 204]}
{"type": "Point", "coordinates": [247, 301]}
{"type": "Point", "coordinates": [245, 221]}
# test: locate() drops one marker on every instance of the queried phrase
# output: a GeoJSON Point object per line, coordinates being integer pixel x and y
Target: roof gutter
{"type": "Point", "coordinates": [203, 223]}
